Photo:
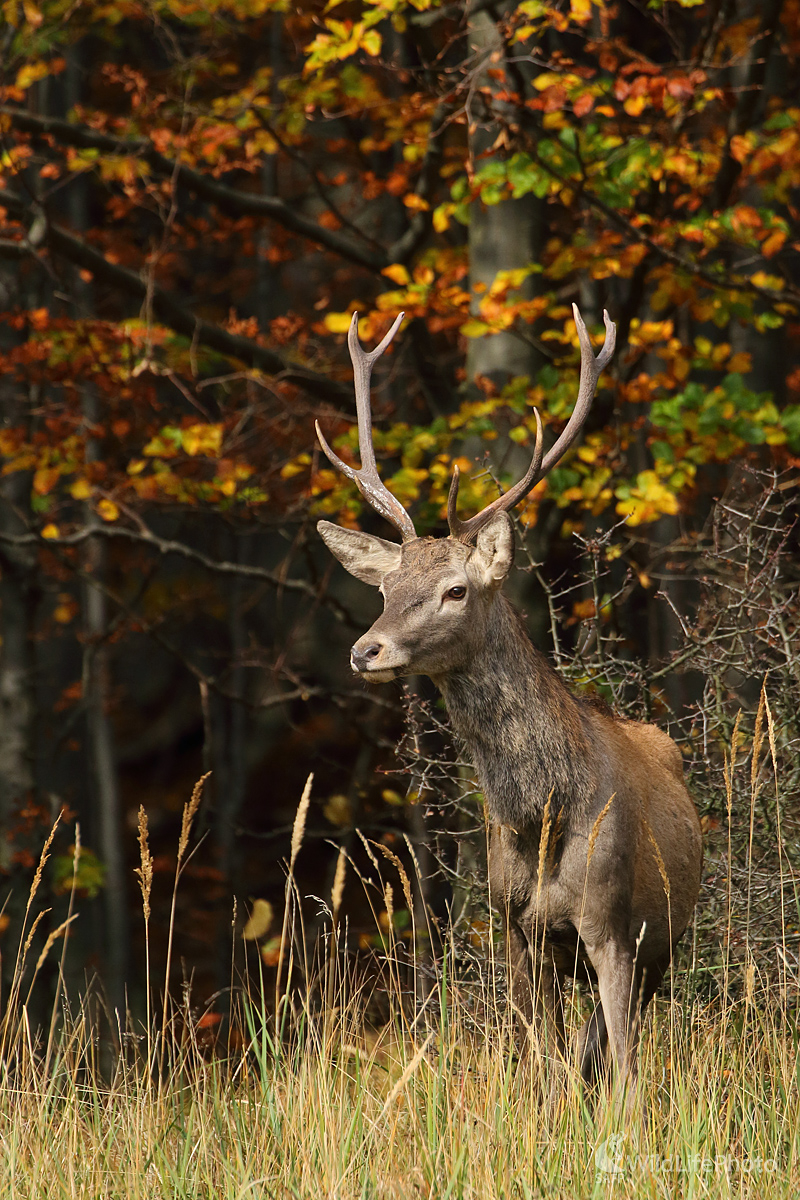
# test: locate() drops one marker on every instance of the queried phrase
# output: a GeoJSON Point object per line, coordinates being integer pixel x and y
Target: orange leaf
{"type": "Point", "coordinates": [415, 202]}
{"type": "Point", "coordinates": [209, 1020]}
{"type": "Point", "coordinates": [772, 244]}
{"type": "Point", "coordinates": [44, 480]}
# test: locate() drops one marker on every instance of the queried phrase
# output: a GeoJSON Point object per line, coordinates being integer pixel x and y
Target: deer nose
{"type": "Point", "coordinates": [362, 656]}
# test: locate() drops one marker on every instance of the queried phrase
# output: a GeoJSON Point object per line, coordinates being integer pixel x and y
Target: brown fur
{"type": "Point", "coordinates": [620, 880]}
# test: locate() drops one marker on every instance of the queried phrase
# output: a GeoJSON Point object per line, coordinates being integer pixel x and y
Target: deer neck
{"type": "Point", "coordinates": [526, 733]}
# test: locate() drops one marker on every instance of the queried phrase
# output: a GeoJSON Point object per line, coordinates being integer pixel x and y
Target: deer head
{"type": "Point", "coordinates": [437, 592]}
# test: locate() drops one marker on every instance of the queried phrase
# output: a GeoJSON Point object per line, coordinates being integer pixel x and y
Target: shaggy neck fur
{"type": "Point", "coordinates": [526, 733]}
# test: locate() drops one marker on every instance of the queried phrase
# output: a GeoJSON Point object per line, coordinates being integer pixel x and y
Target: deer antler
{"type": "Point", "coordinates": [591, 368]}
{"type": "Point", "coordinates": [367, 480]}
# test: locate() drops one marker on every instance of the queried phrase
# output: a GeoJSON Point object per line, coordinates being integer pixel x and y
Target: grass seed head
{"type": "Point", "coordinates": [299, 827]}
{"type": "Point", "coordinates": [338, 883]}
{"type": "Point", "coordinates": [593, 836]}
{"type": "Point", "coordinates": [189, 814]}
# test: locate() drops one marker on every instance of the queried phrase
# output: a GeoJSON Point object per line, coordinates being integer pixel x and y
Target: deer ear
{"type": "Point", "coordinates": [494, 549]}
{"type": "Point", "coordinates": [367, 557]}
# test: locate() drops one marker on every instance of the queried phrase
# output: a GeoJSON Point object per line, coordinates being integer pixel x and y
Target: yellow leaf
{"type": "Point", "coordinates": [763, 280]}
{"type": "Point", "coordinates": [66, 609]}
{"type": "Point", "coordinates": [338, 322]}
{"type": "Point", "coordinates": [474, 329]}
{"type": "Point", "coordinates": [635, 105]}
{"type": "Point", "coordinates": [81, 489]}
{"type": "Point", "coordinates": [107, 509]}
{"type": "Point", "coordinates": [33, 14]}
{"type": "Point", "coordinates": [202, 439]}
{"type": "Point", "coordinates": [50, 531]}
{"type": "Point", "coordinates": [397, 273]}
{"type": "Point", "coordinates": [580, 10]}
{"type": "Point", "coordinates": [441, 217]}
{"type": "Point", "coordinates": [546, 80]}
{"type": "Point", "coordinates": [371, 42]}
{"type": "Point", "coordinates": [338, 810]}
{"type": "Point", "coordinates": [296, 466]}
{"type": "Point", "coordinates": [31, 73]}
{"type": "Point", "coordinates": [261, 916]}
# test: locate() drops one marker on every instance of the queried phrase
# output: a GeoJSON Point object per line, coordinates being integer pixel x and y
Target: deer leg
{"type": "Point", "coordinates": [620, 1000]}
{"type": "Point", "coordinates": [593, 1037]}
{"type": "Point", "coordinates": [522, 986]}
{"type": "Point", "coordinates": [536, 994]}
{"type": "Point", "coordinates": [592, 1046]}
{"type": "Point", "coordinates": [548, 990]}
{"type": "Point", "coordinates": [648, 982]}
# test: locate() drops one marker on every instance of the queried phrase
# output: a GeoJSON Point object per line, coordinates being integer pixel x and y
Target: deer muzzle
{"type": "Point", "coordinates": [371, 658]}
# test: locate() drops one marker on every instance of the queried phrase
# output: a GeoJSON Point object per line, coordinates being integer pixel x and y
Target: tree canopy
{"type": "Point", "coordinates": [196, 197]}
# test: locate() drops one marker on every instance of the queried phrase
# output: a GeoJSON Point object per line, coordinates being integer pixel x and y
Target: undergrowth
{"type": "Point", "coordinates": [301, 1097]}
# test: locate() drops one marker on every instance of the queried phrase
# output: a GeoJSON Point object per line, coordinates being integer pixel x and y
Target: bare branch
{"type": "Point", "coordinates": [228, 199]}
{"type": "Point", "coordinates": [168, 546]}
{"type": "Point", "coordinates": [174, 314]}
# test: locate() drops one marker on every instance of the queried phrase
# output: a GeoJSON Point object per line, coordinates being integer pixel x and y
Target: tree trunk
{"type": "Point", "coordinates": [107, 821]}
{"type": "Point", "coordinates": [502, 237]}
{"type": "Point", "coordinates": [16, 695]}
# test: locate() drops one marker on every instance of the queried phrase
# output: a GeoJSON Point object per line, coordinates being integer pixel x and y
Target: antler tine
{"type": "Point", "coordinates": [464, 531]}
{"type": "Point", "coordinates": [367, 479]}
{"type": "Point", "coordinates": [591, 369]}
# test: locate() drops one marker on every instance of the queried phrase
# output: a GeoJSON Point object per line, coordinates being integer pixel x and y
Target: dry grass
{"type": "Point", "coordinates": [436, 1107]}
{"type": "Point", "coordinates": [333, 1115]}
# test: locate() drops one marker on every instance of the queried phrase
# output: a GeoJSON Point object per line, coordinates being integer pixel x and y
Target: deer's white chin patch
{"type": "Point", "coordinates": [378, 676]}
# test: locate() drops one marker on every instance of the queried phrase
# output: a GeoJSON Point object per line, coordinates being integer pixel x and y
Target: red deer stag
{"type": "Point", "coordinates": [605, 795]}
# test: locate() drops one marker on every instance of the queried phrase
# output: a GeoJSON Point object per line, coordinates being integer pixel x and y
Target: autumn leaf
{"type": "Point", "coordinates": [580, 11]}
{"type": "Point", "coordinates": [415, 203]}
{"type": "Point", "coordinates": [259, 921]}
{"type": "Point", "coordinates": [337, 322]}
{"type": "Point", "coordinates": [45, 479]}
{"type": "Point", "coordinates": [397, 273]}
{"type": "Point", "coordinates": [81, 489]}
{"type": "Point", "coordinates": [202, 439]}
{"type": "Point", "coordinates": [107, 509]}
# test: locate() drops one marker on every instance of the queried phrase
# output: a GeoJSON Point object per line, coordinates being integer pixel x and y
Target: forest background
{"type": "Point", "coordinates": [195, 198]}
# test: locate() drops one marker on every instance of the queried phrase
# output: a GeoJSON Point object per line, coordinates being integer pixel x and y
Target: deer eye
{"type": "Point", "coordinates": [456, 593]}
